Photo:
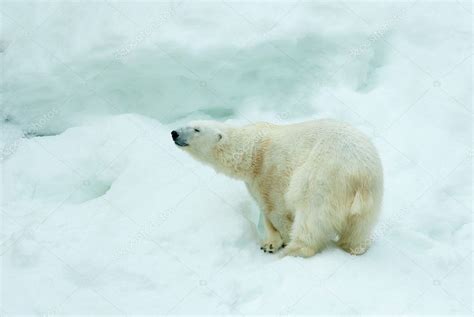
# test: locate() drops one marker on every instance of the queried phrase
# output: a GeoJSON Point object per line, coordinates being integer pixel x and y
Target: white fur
{"type": "Point", "coordinates": [314, 181]}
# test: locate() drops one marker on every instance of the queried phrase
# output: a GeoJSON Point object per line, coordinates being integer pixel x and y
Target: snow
{"type": "Point", "coordinates": [102, 214]}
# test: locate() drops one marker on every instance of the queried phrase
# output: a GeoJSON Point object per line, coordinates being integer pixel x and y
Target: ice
{"type": "Point", "coordinates": [102, 214]}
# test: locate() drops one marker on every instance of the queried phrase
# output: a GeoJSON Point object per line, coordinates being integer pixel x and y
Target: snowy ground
{"type": "Point", "coordinates": [101, 214]}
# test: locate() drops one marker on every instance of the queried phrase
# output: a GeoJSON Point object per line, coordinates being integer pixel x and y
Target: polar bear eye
{"type": "Point", "coordinates": [197, 130]}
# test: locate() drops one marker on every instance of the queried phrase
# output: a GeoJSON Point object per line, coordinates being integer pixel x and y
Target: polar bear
{"type": "Point", "coordinates": [314, 181]}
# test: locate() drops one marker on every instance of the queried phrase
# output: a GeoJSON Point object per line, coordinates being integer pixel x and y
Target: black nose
{"type": "Point", "coordinates": [175, 135]}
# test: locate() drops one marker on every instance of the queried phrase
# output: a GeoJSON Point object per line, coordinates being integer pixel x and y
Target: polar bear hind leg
{"type": "Point", "coordinates": [355, 239]}
{"type": "Point", "coordinates": [311, 232]}
{"type": "Point", "coordinates": [313, 225]}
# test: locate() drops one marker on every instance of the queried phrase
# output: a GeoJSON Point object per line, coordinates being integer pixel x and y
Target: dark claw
{"type": "Point", "coordinates": [284, 245]}
{"type": "Point", "coordinates": [271, 246]}
{"type": "Point", "coordinates": [264, 250]}
{"type": "Point", "coordinates": [270, 251]}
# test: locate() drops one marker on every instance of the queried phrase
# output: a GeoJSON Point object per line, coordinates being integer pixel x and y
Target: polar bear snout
{"type": "Point", "coordinates": [178, 138]}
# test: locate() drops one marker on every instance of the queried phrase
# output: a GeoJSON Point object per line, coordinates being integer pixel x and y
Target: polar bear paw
{"type": "Point", "coordinates": [272, 245]}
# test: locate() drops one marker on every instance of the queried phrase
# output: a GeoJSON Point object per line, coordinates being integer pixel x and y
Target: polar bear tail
{"type": "Point", "coordinates": [362, 202]}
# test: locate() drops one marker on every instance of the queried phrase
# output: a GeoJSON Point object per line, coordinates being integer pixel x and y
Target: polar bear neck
{"type": "Point", "coordinates": [241, 151]}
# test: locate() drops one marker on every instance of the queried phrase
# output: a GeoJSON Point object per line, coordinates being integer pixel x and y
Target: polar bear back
{"type": "Point", "coordinates": [325, 142]}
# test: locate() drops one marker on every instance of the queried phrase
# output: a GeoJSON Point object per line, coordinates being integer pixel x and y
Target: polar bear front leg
{"type": "Point", "coordinates": [273, 241]}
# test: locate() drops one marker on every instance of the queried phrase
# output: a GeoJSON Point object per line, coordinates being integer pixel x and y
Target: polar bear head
{"type": "Point", "coordinates": [199, 138]}
{"type": "Point", "coordinates": [233, 151]}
